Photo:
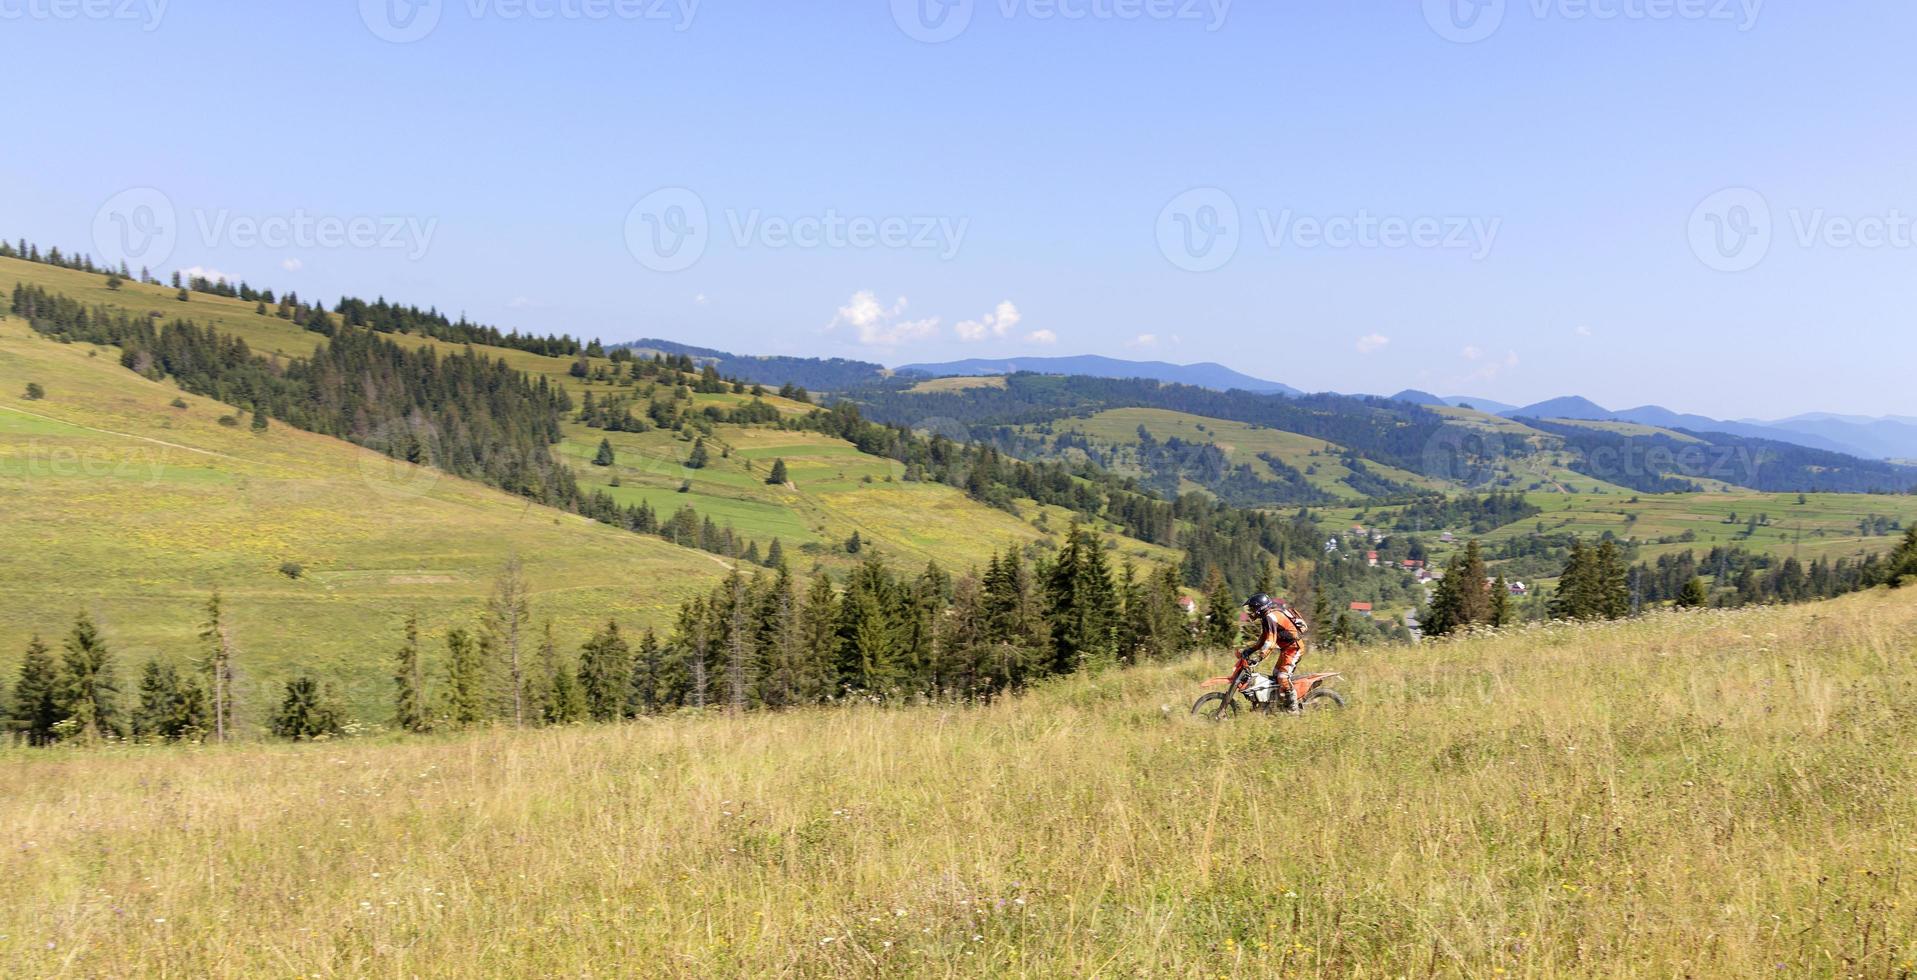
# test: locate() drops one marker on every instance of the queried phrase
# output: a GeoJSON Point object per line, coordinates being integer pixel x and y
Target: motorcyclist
{"type": "Point", "coordinates": [1282, 631]}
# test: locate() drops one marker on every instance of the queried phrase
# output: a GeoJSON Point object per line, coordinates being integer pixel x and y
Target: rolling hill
{"type": "Point", "coordinates": [123, 504]}
{"type": "Point", "coordinates": [1214, 376]}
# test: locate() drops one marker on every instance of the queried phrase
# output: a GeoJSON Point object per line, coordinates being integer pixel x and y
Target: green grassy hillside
{"type": "Point", "coordinates": [115, 501]}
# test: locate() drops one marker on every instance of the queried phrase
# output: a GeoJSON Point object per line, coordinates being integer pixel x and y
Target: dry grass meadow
{"type": "Point", "coordinates": [1709, 795]}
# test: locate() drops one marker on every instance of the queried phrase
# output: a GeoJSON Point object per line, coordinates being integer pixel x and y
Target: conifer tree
{"type": "Point", "coordinates": [36, 698]}
{"type": "Point", "coordinates": [1501, 612]}
{"type": "Point", "coordinates": [1903, 561]}
{"type": "Point", "coordinates": [699, 457]}
{"type": "Point", "coordinates": [562, 703]}
{"type": "Point", "coordinates": [90, 693]}
{"type": "Point", "coordinates": [605, 673]}
{"type": "Point", "coordinates": [409, 681]}
{"type": "Point", "coordinates": [605, 456]}
{"type": "Point", "coordinates": [508, 611]}
{"type": "Point", "coordinates": [218, 667]}
{"type": "Point", "coordinates": [775, 555]}
{"type": "Point", "coordinates": [1221, 612]}
{"type": "Point", "coordinates": [307, 712]}
{"type": "Point", "coordinates": [647, 669]}
{"type": "Point", "coordinates": [778, 477]}
{"type": "Point", "coordinates": [819, 638]}
{"type": "Point", "coordinates": [1696, 595]}
{"type": "Point", "coordinates": [465, 679]}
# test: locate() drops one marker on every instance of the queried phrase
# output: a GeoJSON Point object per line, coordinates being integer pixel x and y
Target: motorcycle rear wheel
{"type": "Point", "coordinates": [1216, 706]}
{"type": "Point", "coordinates": [1323, 699]}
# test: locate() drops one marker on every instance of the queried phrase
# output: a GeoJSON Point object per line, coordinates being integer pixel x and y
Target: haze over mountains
{"type": "Point", "coordinates": [1890, 437]}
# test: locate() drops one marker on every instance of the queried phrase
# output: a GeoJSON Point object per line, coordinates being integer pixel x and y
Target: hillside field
{"type": "Point", "coordinates": [116, 502]}
{"type": "Point", "coordinates": [1714, 795]}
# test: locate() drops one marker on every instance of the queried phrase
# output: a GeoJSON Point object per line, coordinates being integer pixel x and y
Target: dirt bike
{"type": "Point", "coordinates": [1259, 693]}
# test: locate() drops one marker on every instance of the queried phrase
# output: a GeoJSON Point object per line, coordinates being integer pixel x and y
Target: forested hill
{"type": "Point", "coordinates": [1396, 433]}
{"type": "Point", "coordinates": [813, 373]}
{"type": "Point", "coordinates": [1658, 463]}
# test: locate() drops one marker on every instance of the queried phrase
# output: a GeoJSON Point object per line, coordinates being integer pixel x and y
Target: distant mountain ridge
{"type": "Point", "coordinates": [1866, 438]}
{"type": "Point", "coordinates": [1206, 375]}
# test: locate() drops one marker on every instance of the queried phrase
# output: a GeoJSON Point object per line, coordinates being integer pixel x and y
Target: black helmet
{"type": "Point", "coordinates": [1261, 604]}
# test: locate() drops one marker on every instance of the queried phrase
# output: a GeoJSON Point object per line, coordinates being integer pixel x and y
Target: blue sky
{"type": "Point", "coordinates": [1708, 205]}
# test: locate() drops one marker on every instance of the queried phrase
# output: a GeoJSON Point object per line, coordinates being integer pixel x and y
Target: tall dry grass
{"type": "Point", "coordinates": [1710, 795]}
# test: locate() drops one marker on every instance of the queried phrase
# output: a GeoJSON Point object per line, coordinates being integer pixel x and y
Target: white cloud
{"type": "Point", "coordinates": [1143, 340]}
{"type": "Point", "coordinates": [997, 324]}
{"type": "Point", "coordinates": [1474, 353]}
{"type": "Point", "coordinates": [1041, 337]}
{"type": "Point", "coordinates": [880, 326]}
{"type": "Point", "coordinates": [1491, 369]}
{"type": "Point", "coordinates": [1583, 331]}
{"type": "Point", "coordinates": [700, 300]}
{"type": "Point", "coordinates": [202, 272]}
{"type": "Point", "coordinates": [1372, 343]}
{"type": "Point", "coordinates": [292, 265]}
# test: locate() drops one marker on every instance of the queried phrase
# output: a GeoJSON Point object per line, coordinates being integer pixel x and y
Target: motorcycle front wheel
{"type": "Point", "coordinates": [1216, 706]}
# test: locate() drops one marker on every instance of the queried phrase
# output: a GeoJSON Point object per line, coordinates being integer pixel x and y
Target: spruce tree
{"type": "Point", "coordinates": [1474, 591]}
{"type": "Point", "coordinates": [605, 456]}
{"type": "Point", "coordinates": [90, 693]}
{"type": "Point", "coordinates": [775, 556]}
{"type": "Point", "coordinates": [1221, 612]}
{"type": "Point", "coordinates": [465, 681]}
{"type": "Point", "coordinates": [1612, 585]}
{"type": "Point", "coordinates": [307, 712]}
{"type": "Point", "coordinates": [562, 702]}
{"type": "Point", "coordinates": [647, 667]}
{"type": "Point", "coordinates": [699, 457]}
{"type": "Point", "coordinates": [158, 693]}
{"type": "Point", "coordinates": [409, 682]}
{"type": "Point", "coordinates": [218, 667]}
{"type": "Point", "coordinates": [778, 477]}
{"type": "Point", "coordinates": [1696, 595]}
{"type": "Point", "coordinates": [36, 698]}
{"type": "Point", "coordinates": [508, 611]}
{"type": "Point", "coordinates": [1501, 612]}
{"type": "Point", "coordinates": [605, 673]}
{"type": "Point", "coordinates": [1903, 561]}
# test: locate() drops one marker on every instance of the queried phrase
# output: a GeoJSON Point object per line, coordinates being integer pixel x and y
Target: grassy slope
{"type": "Point", "coordinates": [373, 556]}
{"type": "Point", "coordinates": [114, 501]}
{"type": "Point", "coordinates": [1241, 442]}
{"type": "Point", "coordinates": [1679, 796]}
